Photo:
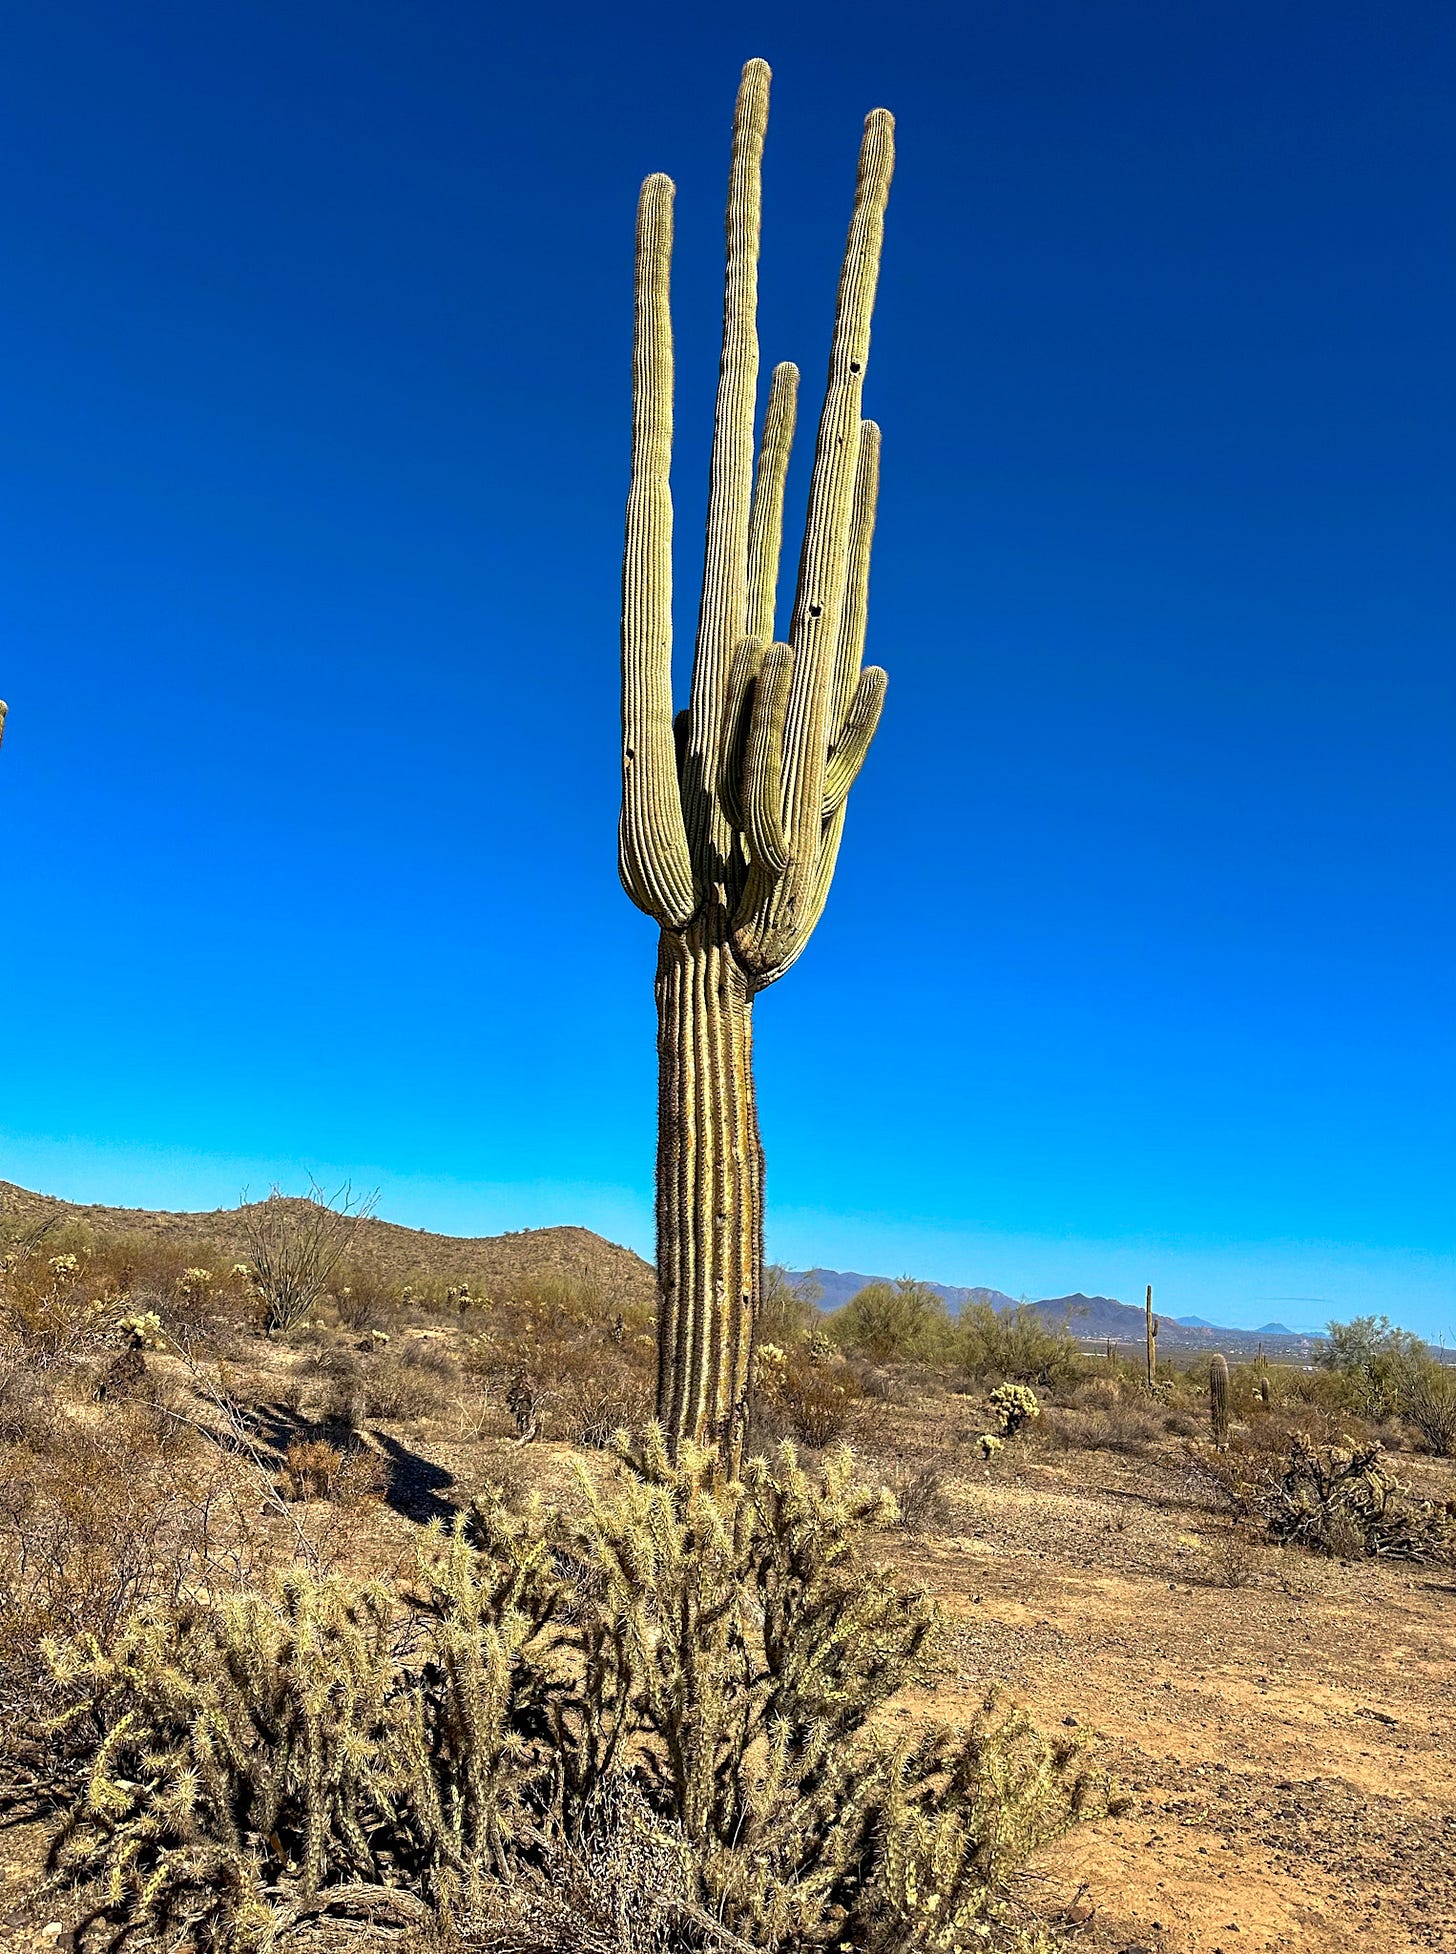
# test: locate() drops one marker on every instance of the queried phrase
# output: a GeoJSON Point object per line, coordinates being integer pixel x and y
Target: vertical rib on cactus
{"type": "Point", "coordinates": [732, 813]}
{"type": "Point", "coordinates": [1218, 1399]}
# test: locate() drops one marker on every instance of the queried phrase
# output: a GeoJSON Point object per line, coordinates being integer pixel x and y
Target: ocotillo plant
{"type": "Point", "coordinates": [732, 811]}
{"type": "Point", "coordinates": [1152, 1334]}
{"type": "Point", "coordinates": [1218, 1399]}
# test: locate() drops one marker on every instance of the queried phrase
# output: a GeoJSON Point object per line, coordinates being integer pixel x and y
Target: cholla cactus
{"type": "Point", "coordinates": [706, 1659]}
{"type": "Point", "coordinates": [732, 811]}
{"type": "Point", "coordinates": [1012, 1407]}
{"type": "Point", "coordinates": [143, 1330]}
{"type": "Point", "coordinates": [1218, 1399]}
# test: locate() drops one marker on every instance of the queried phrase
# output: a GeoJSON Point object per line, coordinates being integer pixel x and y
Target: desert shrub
{"type": "Point", "coordinates": [892, 1322]}
{"type": "Point", "coordinates": [1016, 1344]}
{"type": "Point", "coordinates": [788, 1312]}
{"type": "Point", "coordinates": [1346, 1503]}
{"type": "Point", "coordinates": [812, 1391]}
{"type": "Point", "coordinates": [1429, 1405]}
{"type": "Point", "coordinates": [362, 1302]}
{"type": "Point", "coordinates": [294, 1248]}
{"type": "Point", "coordinates": [592, 1409]}
{"type": "Point", "coordinates": [50, 1310]}
{"type": "Point", "coordinates": [1127, 1425]}
{"type": "Point", "coordinates": [90, 1532]}
{"type": "Point", "coordinates": [315, 1469]}
{"type": "Point", "coordinates": [667, 1701]}
{"type": "Point", "coordinates": [27, 1404]}
{"type": "Point", "coordinates": [1334, 1498]}
{"type": "Point", "coordinates": [918, 1488]}
{"type": "Point", "coordinates": [1377, 1362]}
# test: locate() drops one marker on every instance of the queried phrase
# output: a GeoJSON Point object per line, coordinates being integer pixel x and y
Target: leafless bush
{"type": "Point", "coordinates": [815, 1393]}
{"type": "Point", "coordinates": [27, 1404]}
{"type": "Point", "coordinates": [591, 1409]}
{"type": "Point", "coordinates": [920, 1496]}
{"type": "Point", "coordinates": [1430, 1405]}
{"type": "Point", "coordinates": [315, 1469]}
{"type": "Point", "coordinates": [294, 1247]}
{"type": "Point", "coordinates": [1125, 1426]}
{"type": "Point", "coordinates": [363, 1302]}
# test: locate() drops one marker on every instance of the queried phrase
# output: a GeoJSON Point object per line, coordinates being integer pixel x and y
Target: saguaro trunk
{"type": "Point", "coordinates": [709, 1188]}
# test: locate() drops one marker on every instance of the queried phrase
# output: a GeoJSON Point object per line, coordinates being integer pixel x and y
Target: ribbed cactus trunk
{"type": "Point", "coordinates": [732, 810]}
{"type": "Point", "coordinates": [709, 1185]}
{"type": "Point", "coordinates": [1218, 1400]}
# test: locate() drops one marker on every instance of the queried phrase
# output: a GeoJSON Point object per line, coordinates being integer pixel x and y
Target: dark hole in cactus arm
{"type": "Point", "coordinates": [816, 610]}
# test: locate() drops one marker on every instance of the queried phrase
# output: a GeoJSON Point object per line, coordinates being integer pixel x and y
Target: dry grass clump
{"type": "Point", "coordinates": [1105, 1415]}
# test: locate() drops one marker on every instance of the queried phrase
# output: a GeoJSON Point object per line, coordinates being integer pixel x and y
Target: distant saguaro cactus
{"type": "Point", "coordinates": [1218, 1399]}
{"type": "Point", "coordinates": [1152, 1336]}
{"type": "Point", "coordinates": [732, 811]}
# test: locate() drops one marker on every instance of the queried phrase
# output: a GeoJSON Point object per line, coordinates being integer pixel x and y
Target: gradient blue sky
{"type": "Point", "coordinates": [1138, 962]}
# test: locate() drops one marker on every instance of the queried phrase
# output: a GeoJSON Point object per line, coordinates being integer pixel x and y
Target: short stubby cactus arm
{"type": "Point", "coordinates": [653, 858]}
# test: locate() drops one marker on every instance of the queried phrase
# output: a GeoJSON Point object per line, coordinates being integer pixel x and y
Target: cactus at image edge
{"type": "Point", "coordinates": [1218, 1399]}
{"type": "Point", "coordinates": [733, 809]}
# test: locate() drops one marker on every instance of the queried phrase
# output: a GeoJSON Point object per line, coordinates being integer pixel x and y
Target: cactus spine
{"type": "Point", "coordinates": [732, 811]}
{"type": "Point", "coordinates": [1152, 1334]}
{"type": "Point", "coordinates": [1218, 1399]}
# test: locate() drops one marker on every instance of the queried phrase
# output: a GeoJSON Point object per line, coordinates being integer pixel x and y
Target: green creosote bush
{"type": "Point", "coordinates": [1376, 1363]}
{"type": "Point", "coordinates": [1016, 1344]}
{"type": "Point", "coordinates": [691, 1664]}
{"type": "Point", "coordinates": [893, 1323]}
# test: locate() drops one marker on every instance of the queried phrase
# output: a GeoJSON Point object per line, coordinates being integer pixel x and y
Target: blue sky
{"type": "Point", "coordinates": [1137, 964]}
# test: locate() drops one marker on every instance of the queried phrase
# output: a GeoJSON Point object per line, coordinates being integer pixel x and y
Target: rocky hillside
{"type": "Point", "coordinates": [394, 1254]}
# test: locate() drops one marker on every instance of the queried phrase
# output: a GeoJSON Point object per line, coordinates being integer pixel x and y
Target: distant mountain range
{"type": "Point", "coordinates": [1090, 1318]}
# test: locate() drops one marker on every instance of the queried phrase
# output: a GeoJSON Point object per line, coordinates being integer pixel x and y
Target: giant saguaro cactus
{"type": "Point", "coordinates": [732, 811]}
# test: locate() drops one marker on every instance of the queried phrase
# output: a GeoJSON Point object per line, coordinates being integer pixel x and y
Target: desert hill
{"type": "Point", "coordinates": [393, 1253]}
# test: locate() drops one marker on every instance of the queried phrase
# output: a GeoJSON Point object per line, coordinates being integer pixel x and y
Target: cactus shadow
{"type": "Point", "coordinates": [416, 1485]}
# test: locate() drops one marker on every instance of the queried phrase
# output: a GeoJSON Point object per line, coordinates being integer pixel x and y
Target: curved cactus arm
{"type": "Point", "coordinates": [723, 610]}
{"type": "Point", "coordinates": [854, 742]}
{"type": "Point", "coordinates": [854, 615]}
{"type": "Point", "coordinates": [763, 757]}
{"type": "Point", "coordinates": [736, 715]}
{"type": "Point", "coordinates": [780, 953]}
{"type": "Point", "coordinates": [766, 523]}
{"type": "Point", "coordinates": [772, 916]}
{"type": "Point", "coordinates": [652, 845]}
{"type": "Point", "coordinates": [823, 564]}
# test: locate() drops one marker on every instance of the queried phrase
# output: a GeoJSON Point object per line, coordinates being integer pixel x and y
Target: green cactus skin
{"type": "Point", "coordinates": [1152, 1335]}
{"type": "Point", "coordinates": [732, 812]}
{"type": "Point", "coordinates": [1218, 1399]}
